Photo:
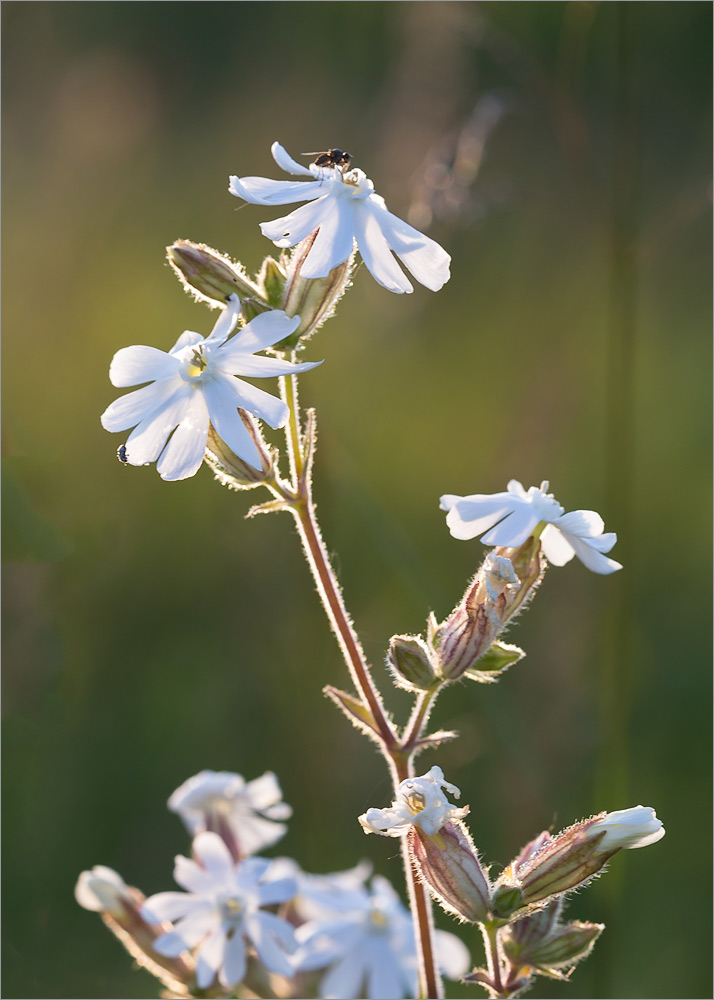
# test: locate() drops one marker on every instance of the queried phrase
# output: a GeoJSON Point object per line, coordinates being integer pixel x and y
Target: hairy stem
{"type": "Point", "coordinates": [399, 754]}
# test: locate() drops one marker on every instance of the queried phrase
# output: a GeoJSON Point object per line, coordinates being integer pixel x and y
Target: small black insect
{"type": "Point", "coordinates": [122, 455]}
{"type": "Point", "coordinates": [331, 158]}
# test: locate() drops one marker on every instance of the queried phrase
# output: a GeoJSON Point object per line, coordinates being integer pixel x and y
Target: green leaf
{"type": "Point", "coordinates": [494, 662]}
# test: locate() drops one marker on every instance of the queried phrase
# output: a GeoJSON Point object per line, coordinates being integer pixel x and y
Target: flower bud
{"type": "Point", "coordinates": [450, 867]}
{"type": "Point", "coordinates": [313, 299]}
{"type": "Point", "coordinates": [473, 626]}
{"type": "Point", "coordinates": [232, 471]}
{"type": "Point", "coordinates": [575, 855]}
{"type": "Point", "coordinates": [102, 890]}
{"type": "Point", "coordinates": [543, 943]}
{"type": "Point", "coordinates": [410, 663]}
{"type": "Point", "coordinates": [207, 274]}
{"type": "Point", "coordinates": [506, 899]}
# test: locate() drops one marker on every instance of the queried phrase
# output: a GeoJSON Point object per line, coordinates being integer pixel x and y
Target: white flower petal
{"type": "Point", "coordinates": [214, 855]}
{"type": "Point", "coordinates": [375, 251]}
{"type": "Point", "coordinates": [234, 961]}
{"type": "Point", "coordinates": [225, 324]}
{"type": "Point", "coordinates": [191, 876]}
{"type": "Point", "coordinates": [344, 980]}
{"type": "Point", "coordinates": [627, 829]}
{"type": "Point", "coordinates": [169, 944]}
{"type": "Point", "coordinates": [471, 516]}
{"type": "Point", "coordinates": [187, 339]}
{"type": "Point", "coordinates": [452, 955]}
{"type": "Point", "coordinates": [385, 980]}
{"type": "Point", "coordinates": [281, 930]}
{"type": "Point", "coordinates": [131, 409]}
{"type": "Point", "coordinates": [585, 523]}
{"type": "Point", "coordinates": [169, 906]}
{"type": "Point", "coordinates": [334, 242]}
{"type": "Point", "coordinates": [256, 366]}
{"type": "Point", "coordinates": [588, 554]}
{"type": "Point", "coordinates": [291, 229]}
{"type": "Point", "coordinates": [556, 546]}
{"type": "Point", "coordinates": [249, 397]}
{"type": "Point", "coordinates": [222, 401]}
{"type": "Point", "coordinates": [265, 791]}
{"type": "Point", "coordinates": [514, 529]}
{"type": "Point", "coordinates": [147, 440]}
{"type": "Point", "coordinates": [279, 891]}
{"type": "Point", "coordinates": [134, 365]}
{"type": "Point", "coordinates": [286, 162]}
{"type": "Point", "coordinates": [184, 453]}
{"type": "Point", "coordinates": [209, 958]}
{"type": "Point", "coordinates": [100, 889]}
{"type": "Point", "coordinates": [192, 928]}
{"type": "Point", "coordinates": [423, 257]}
{"type": "Point", "coordinates": [265, 330]}
{"type": "Point", "coordinates": [262, 191]}
{"type": "Point", "coordinates": [269, 952]}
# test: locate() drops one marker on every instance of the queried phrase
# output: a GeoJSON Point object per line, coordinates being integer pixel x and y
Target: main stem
{"type": "Point", "coordinates": [400, 760]}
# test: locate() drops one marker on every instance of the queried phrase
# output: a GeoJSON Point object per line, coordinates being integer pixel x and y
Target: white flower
{"type": "Point", "coordinates": [101, 889]}
{"type": "Point", "coordinates": [344, 207]}
{"type": "Point", "coordinates": [420, 802]}
{"type": "Point", "coordinates": [628, 828]}
{"type": "Point", "coordinates": [221, 913]}
{"type": "Point", "coordinates": [245, 812]}
{"type": "Point", "coordinates": [319, 896]}
{"type": "Point", "coordinates": [194, 385]}
{"type": "Point", "coordinates": [509, 518]}
{"type": "Point", "coordinates": [369, 947]}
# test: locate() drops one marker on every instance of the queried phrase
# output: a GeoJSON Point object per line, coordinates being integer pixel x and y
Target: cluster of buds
{"type": "Point", "coordinates": [466, 643]}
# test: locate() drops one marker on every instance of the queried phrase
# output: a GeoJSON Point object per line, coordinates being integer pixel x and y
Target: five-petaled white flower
{"type": "Point", "coordinates": [345, 209]}
{"type": "Point", "coordinates": [420, 802]}
{"type": "Point", "coordinates": [195, 385]}
{"type": "Point", "coordinates": [242, 812]}
{"type": "Point", "coordinates": [221, 913]}
{"type": "Point", "coordinates": [509, 518]}
{"type": "Point", "coordinates": [367, 946]}
{"type": "Point", "coordinates": [628, 828]}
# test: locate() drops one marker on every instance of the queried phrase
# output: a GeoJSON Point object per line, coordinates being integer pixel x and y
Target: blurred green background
{"type": "Point", "coordinates": [560, 152]}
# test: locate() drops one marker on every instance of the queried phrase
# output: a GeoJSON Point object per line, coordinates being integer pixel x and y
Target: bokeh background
{"type": "Point", "coordinates": [560, 152]}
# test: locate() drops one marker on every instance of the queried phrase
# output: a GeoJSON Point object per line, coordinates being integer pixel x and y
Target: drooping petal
{"type": "Point", "coordinates": [585, 523]}
{"type": "Point", "coordinates": [285, 161]}
{"type": "Point", "coordinates": [472, 515]}
{"type": "Point", "coordinates": [514, 529]}
{"type": "Point", "coordinates": [227, 422]}
{"type": "Point", "coordinates": [265, 791]}
{"type": "Point", "coordinates": [214, 855]}
{"type": "Point", "coordinates": [291, 229]}
{"type": "Point", "coordinates": [131, 409]}
{"type": "Point", "coordinates": [209, 958]}
{"type": "Point", "coordinates": [184, 453]}
{"type": "Point", "coordinates": [422, 256]}
{"type": "Point", "coordinates": [334, 242]}
{"type": "Point", "coordinates": [556, 546]}
{"type": "Point", "coordinates": [234, 961]}
{"type": "Point", "coordinates": [134, 365]}
{"type": "Point", "coordinates": [265, 330]}
{"type": "Point", "coordinates": [588, 554]}
{"type": "Point", "coordinates": [147, 440]}
{"type": "Point", "coordinates": [375, 251]}
{"type": "Point", "coordinates": [262, 191]}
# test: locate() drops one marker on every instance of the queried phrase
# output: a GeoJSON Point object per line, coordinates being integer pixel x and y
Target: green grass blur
{"type": "Point", "coordinates": [150, 632]}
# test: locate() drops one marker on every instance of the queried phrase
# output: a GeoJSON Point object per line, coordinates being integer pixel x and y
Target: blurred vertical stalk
{"type": "Point", "coordinates": [612, 776]}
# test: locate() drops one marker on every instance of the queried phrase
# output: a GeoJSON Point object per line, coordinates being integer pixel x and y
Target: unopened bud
{"type": "Point", "coordinates": [313, 299]}
{"type": "Point", "coordinates": [208, 274]}
{"type": "Point", "coordinates": [568, 945]}
{"type": "Point", "coordinates": [506, 899]}
{"type": "Point", "coordinates": [410, 663]}
{"type": "Point", "coordinates": [232, 471]}
{"type": "Point", "coordinates": [449, 865]}
{"type": "Point", "coordinates": [473, 626]}
{"type": "Point", "coordinates": [542, 942]}
{"type": "Point", "coordinates": [102, 890]}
